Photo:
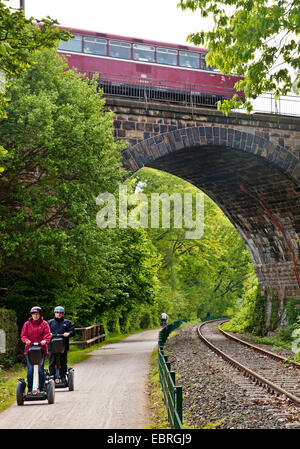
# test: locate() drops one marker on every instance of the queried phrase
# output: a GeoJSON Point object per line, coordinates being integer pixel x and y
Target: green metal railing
{"type": "Point", "coordinates": [172, 393]}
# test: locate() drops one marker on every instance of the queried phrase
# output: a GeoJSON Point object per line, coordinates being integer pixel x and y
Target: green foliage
{"type": "Point", "coordinates": [275, 313]}
{"type": "Point", "coordinates": [8, 378]}
{"type": "Point", "coordinates": [292, 310]}
{"type": "Point", "coordinates": [296, 335]}
{"type": "Point", "coordinates": [8, 324]}
{"type": "Point", "coordinates": [258, 319]}
{"type": "Point", "coordinates": [251, 317]}
{"type": "Point", "coordinates": [20, 38]}
{"type": "Point", "coordinates": [256, 39]}
{"type": "Point", "coordinates": [198, 275]}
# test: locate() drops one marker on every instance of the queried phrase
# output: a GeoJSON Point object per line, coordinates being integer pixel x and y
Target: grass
{"type": "Point", "coordinates": [8, 382]}
{"type": "Point", "coordinates": [273, 341]}
{"type": "Point", "coordinates": [276, 340]}
{"type": "Point", "coordinates": [158, 412]}
{"type": "Point", "coordinates": [8, 377]}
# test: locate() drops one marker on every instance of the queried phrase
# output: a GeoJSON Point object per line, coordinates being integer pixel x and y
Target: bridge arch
{"type": "Point", "coordinates": [254, 181]}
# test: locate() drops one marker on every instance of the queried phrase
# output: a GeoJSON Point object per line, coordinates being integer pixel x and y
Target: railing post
{"type": "Point", "coordinates": [84, 337]}
{"type": "Point", "coordinates": [146, 100]}
{"type": "Point", "coordinates": [179, 404]}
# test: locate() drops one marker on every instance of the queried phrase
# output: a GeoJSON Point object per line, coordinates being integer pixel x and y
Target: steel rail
{"type": "Point", "coordinates": [270, 386]}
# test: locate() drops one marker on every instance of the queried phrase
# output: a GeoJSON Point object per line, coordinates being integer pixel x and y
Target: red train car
{"type": "Point", "coordinates": [143, 68]}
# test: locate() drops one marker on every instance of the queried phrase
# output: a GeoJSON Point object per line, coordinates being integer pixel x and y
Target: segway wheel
{"type": "Point", "coordinates": [51, 391]}
{"type": "Point", "coordinates": [71, 379]}
{"type": "Point", "coordinates": [20, 393]}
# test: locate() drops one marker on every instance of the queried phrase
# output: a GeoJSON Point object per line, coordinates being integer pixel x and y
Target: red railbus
{"type": "Point", "coordinates": [147, 69]}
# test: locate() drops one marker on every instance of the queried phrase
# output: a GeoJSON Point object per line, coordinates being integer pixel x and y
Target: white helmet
{"type": "Point", "coordinates": [59, 309]}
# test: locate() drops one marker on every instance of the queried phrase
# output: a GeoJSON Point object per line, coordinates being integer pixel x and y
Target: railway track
{"type": "Point", "coordinates": [267, 369]}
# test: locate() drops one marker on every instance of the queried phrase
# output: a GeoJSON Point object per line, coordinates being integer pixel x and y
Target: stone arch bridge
{"type": "Point", "coordinates": [248, 165]}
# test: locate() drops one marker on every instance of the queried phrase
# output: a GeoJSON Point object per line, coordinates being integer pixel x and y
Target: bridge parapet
{"type": "Point", "coordinates": [136, 121]}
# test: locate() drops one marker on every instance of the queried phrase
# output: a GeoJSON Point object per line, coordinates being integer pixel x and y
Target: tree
{"type": "Point", "coordinates": [216, 274]}
{"type": "Point", "coordinates": [62, 155]}
{"type": "Point", "coordinates": [20, 38]}
{"type": "Point", "coordinates": [257, 39]}
{"type": "Point", "coordinates": [198, 275]}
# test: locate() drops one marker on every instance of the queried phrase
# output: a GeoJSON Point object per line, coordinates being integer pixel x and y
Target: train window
{"type": "Point", "coordinates": [120, 49]}
{"type": "Point", "coordinates": [94, 45]}
{"type": "Point", "coordinates": [166, 56]}
{"type": "Point", "coordinates": [203, 63]}
{"type": "Point", "coordinates": [72, 44]}
{"type": "Point", "coordinates": [143, 52]}
{"type": "Point", "coordinates": [189, 59]}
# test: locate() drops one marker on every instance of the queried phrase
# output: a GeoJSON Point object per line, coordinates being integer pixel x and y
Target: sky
{"type": "Point", "coordinates": [159, 20]}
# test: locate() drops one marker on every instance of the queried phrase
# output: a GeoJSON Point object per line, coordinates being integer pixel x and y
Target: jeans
{"type": "Point", "coordinates": [30, 375]}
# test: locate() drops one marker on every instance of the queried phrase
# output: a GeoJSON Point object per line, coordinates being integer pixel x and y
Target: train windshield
{"type": "Point", "coordinates": [72, 44]}
{"type": "Point", "coordinates": [94, 45]}
{"type": "Point", "coordinates": [166, 56]}
{"type": "Point", "coordinates": [120, 49]}
{"type": "Point", "coordinates": [143, 52]}
{"type": "Point", "coordinates": [189, 59]}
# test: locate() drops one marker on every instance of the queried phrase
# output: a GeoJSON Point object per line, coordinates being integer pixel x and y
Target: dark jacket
{"type": "Point", "coordinates": [60, 326]}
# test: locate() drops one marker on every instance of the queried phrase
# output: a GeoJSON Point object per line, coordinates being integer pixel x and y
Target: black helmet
{"type": "Point", "coordinates": [36, 309]}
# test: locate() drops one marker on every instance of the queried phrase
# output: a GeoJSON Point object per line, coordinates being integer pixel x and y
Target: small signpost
{"type": "Point", "coordinates": [2, 341]}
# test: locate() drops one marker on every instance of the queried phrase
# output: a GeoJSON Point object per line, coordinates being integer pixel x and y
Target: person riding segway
{"type": "Point", "coordinates": [36, 335]}
{"type": "Point", "coordinates": [61, 330]}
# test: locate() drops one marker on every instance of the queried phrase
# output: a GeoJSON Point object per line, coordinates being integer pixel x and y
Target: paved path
{"type": "Point", "coordinates": [109, 392]}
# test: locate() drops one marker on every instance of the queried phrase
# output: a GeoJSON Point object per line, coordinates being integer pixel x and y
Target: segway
{"type": "Point", "coordinates": [60, 380]}
{"type": "Point", "coordinates": [35, 358]}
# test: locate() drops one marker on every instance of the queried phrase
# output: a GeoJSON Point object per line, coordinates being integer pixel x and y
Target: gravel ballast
{"type": "Point", "coordinates": [215, 395]}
